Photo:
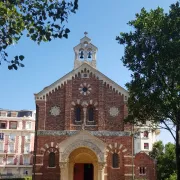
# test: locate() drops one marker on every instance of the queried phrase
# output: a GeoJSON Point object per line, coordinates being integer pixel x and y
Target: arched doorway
{"type": "Point", "coordinates": [83, 165]}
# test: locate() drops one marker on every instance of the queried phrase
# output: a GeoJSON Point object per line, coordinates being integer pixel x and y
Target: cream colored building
{"type": "Point", "coordinates": [16, 143]}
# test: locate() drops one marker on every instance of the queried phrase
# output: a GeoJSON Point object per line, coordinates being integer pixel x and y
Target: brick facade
{"type": "Point", "coordinates": [67, 96]}
{"type": "Point", "coordinates": [54, 130]}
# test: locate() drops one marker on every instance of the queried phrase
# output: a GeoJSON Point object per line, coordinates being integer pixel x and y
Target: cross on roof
{"type": "Point", "coordinates": [85, 33]}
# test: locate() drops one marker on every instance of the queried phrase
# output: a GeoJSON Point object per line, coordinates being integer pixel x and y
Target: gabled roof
{"type": "Point", "coordinates": [82, 41]}
{"type": "Point", "coordinates": [42, 94]}
{"type": "Point", "coordinates": [85, 39]}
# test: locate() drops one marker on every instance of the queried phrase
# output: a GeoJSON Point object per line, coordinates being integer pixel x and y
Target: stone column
{"type": "Point", "coordinates": [63, 170]}
{"type": "Point", "coordinates": [84, 120]}
{"type": "Point", "coordinates": [101, 166]}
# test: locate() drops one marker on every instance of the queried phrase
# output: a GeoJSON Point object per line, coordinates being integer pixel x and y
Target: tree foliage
{"type": "Point", "coordinates": [166, 160]}
{"type": "Point", "coordinates": [172, 177]}
{"type": "Point", "coordinates": [152, 54]}
{"type": "Point", "coordinates": [40, 20]}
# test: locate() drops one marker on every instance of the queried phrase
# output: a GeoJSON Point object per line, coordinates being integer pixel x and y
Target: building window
{"type": "Point", "coordinates": [24, 114]}
{"type": "Point", "coordinates": [9, 171]}
{"type": "Point", "coordinates": [142, 170]}
{"type": "Point", "coordinates": [146, 133]}
{"type": "Point", "coordinates": [2, 125]}
{"type": "Point", "coordinates": [12, 137]}
{"type": "Point", "coordinates": [25, 172]}
{"type": "Point", "coordinates": [52, 159]}
{"type": "Point", "coordinates": [26, 160]}
{"type": "Point", "coordinates": [28, 125]}
{"type": "Point", "coordinates": [12, 125]}
{"type": "Point", "coordinates": [78, 113]}
{"type": "Point", "coordinates": [1, 136]}
{"type": "Point", "coordinates": [27, 148]}
{"type": "Point", "coordinates": [11, 147]}
{"type": "Point", "coordinates": [115, 160]}
{"type": "Point", "coordinates": [91, 114]}
{"type": "Point", "coordinates": [146, 145]}
{"type": "Point", "coordinates": [1, 147]}
{"type": "Point", "coordinates": [27, 138]}
{"type": "Point", "coordinates": [10, 160]}
{"type": "Point", "coordinates": [1, 159]}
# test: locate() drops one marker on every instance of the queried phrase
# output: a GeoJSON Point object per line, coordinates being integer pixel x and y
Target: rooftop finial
{"type": "Point", "coordinates": [85, 33]}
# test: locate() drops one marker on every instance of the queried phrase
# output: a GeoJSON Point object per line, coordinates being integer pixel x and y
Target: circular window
{"type": "Point", "coordinates": [85, 89]}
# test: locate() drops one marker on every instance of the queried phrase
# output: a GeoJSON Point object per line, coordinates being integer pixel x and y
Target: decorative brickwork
{"type": "Point", "coordinates": [62, 133]}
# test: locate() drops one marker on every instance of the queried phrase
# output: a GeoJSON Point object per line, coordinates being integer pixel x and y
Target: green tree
{"type": "Point", "coordinates": [166, 160]}
{"type": "Point", "coordinates": [157, 150]}
{"type": "Point", "coordinates": [40, 20]}
{"type": "Point", "coordinates": [152, 54]}
{"type": "Point", "coordinates": [172, 177]}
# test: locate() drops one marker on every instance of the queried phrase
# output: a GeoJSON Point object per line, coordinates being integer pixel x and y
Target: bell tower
{"type": "Point", "coordinates": [85, 52]}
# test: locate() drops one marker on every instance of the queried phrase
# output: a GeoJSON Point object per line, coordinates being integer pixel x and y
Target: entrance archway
{"type": "Point", "coordinates": [81, 160]}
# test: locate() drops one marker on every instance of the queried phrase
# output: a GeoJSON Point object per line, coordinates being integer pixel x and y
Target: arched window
{"type": "Point", "coordinates": [91, 114]}
{"type": "Point", "coordinates": [142, 170]}
{"type": "Point", "coordinates": [51, 159]}
{"type": "Point", "coordinates": [115, 160]}
{"type": "Point", "coordinates": [78, 113]}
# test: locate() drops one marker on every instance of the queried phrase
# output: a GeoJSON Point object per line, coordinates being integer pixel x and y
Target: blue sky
{"type": "Point", "coordinates": [44, 64]}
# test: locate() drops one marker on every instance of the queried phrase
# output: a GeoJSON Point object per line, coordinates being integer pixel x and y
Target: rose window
{"type": "Point", "coordinates": [85, 89]}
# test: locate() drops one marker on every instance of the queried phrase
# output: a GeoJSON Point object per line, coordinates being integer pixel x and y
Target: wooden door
{"type": "Point", "coordinates": [79, 171]}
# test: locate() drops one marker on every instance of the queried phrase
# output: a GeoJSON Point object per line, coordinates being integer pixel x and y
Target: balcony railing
{"type": "Point", "coordinates": [10, 176]}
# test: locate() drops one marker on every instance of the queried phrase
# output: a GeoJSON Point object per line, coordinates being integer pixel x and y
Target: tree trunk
{"type": "Point", "coordinates": [178, 148]}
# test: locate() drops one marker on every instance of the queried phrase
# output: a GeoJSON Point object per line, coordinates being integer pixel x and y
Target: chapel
{"type": "Point", "coordinates": [80, 131]}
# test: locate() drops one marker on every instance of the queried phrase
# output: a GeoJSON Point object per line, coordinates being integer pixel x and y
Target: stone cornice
{"type": "Point", "coordinates": [71, 133]}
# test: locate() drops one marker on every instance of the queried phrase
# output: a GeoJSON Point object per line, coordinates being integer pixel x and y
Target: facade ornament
{"type": "Point", "coordinates": [85, 89]}
{"type": "Point", "coordinates": [55, 111]}
{"type": "Point", "coordinates": [82, 143]}
{"type": "Point", "coordinates": [72, 133]}
{"type": "Point", "coordinates": [113, 111]}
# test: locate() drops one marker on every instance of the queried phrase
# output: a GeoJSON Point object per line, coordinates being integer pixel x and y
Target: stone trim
{"type": "Point", "coordinates": [129, 165]}
{"type": "Point", "coordinates": [42, 94]}
{"type": "Point", "coordinates": [82, 143]}
{"type": "Point", "coordinates": [71, 133]}
{"type": "Point", "coordinates": [129, 156]}
{"type": "Point", "coordinates": [52, 146]}
{"type": "Point", "coordinates": [38, 173]}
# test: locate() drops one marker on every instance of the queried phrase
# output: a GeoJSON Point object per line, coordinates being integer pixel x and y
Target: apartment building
{"type": "Point", "coordinates": [144, 138]}
{"type": "Point", "coordinates": [16, 143]}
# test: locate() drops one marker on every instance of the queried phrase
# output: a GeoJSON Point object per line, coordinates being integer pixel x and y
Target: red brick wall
{"type": "Point", "coordinates": [66, 97]}
{"type": "Point", "coordinates": [63, 97]}
{"type": "Point", "coordinates": [144, 161]}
